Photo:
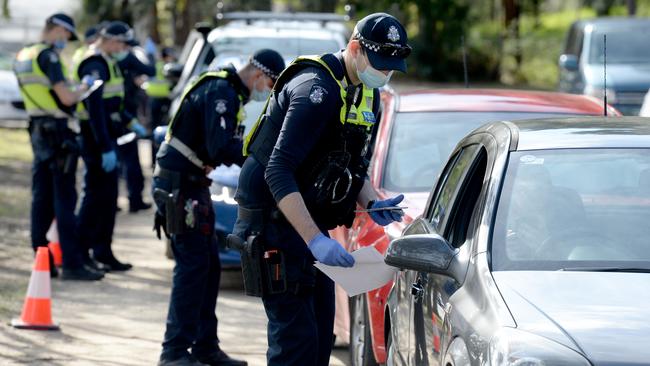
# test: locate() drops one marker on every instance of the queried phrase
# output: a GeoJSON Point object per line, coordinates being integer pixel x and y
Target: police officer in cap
{"type": "Point", "coordinates": [203, 134]}
{"type": "Point", "coordinates": [305, 173]}
{"type": "Point", "coordinates": [49, 101]}
{"type": "Point", "coordinates": [101, 124]}
{"type": "Point", "coordinates": [133, 68]}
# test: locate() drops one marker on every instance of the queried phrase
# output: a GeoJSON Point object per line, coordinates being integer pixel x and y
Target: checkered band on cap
{"type": "Point", "coordinates": [264, 69]}
{"type": "Point", "coordinates": [371, 47]}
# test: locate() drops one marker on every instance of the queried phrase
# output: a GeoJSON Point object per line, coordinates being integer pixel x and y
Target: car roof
{"type": "Point", "coordinates": [579, 132]}
{"type": "Point", "coordinates": [293, 29]}
{"type": "Point", "coordinates": [611, 22]}
{"type": "Point", "coordinates": [497, 100]}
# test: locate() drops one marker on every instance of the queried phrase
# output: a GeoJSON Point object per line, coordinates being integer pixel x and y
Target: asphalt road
{"type": "Point", "coordinates": [121, 319]}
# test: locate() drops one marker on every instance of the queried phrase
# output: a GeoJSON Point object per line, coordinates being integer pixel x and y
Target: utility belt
{"type": "Point", "coordinates": [59, 137]}
{"type": "Point", "coordinates": [264, 269]}
{"type": "Point", "coordinates": [179, 214]}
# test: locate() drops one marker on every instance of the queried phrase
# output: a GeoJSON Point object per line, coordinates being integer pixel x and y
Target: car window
{"type": "Point", "coordinates": [573, 207]}
{"type": "Point", "coordinates": [290, 47]}
{"type": "Point", "coordinates": [628, 45]}
{"type": "Point", "coordinates": [420, 143]}
{"type": "Point", "coordinates": [465, 203]}
{"type": "Point", "coordinates": [451, 183]}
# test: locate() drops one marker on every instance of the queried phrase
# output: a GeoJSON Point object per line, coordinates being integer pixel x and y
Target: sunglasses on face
{"type": "Point", "coordinates": [386, 49]}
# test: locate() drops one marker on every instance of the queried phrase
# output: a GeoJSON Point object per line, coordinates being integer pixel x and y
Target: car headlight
{"type": "Point", "coordinates": [598, 93]}
{"type": "Point", "coordinates": [512, 347]}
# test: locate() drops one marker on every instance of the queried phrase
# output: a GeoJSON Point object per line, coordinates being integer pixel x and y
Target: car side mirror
{"type": "Point", "coordinates": [429, 253]}
{"type": "Point", "coordinates": [172, 71]}
{"type": "Point", "coordinates": [569, 62]}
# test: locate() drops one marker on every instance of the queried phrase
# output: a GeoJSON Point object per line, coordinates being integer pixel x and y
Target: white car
{"type": "Point", "coordinates": [11, 102]}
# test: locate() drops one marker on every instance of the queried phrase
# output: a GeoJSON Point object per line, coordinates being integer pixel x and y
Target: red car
{"type": "Point", "coordinates": [427, 124]}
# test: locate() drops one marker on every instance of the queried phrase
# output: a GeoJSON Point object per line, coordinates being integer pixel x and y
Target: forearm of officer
{"type": "Point", "coordinates": [294, 209]}
{"type": "Point", "coordinates": [366, 194]}
{"type": "Point", "coordinates": [65, 95]}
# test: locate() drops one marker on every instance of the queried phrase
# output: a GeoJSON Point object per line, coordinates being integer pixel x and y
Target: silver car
{"type": "Point", "coordinates": [534, 249]}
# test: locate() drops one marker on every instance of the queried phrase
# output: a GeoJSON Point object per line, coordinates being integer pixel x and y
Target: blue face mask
{"type": "Point", "coordinates": [119, 56]}
{"type": "Point", "coordinates": [259, 96]}
{"type": "Point", "coordinates": [59, 44]}
{"type": "Point", "coordinates": [371, 77]}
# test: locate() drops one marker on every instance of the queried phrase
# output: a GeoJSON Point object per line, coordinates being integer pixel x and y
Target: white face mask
{"type": "Point", "coordinates": [257, 95]}
{"type": "Point", "coordinates": [369, 76]}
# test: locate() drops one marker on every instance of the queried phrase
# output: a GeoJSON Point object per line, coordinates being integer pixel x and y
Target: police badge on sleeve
{"type": "Point", "coordinates": [221, 107]}
{"type": "Point", "coordinates": [317, 94]}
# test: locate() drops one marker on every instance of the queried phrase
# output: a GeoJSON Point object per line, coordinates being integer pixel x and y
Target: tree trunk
{"type": "Point", "coordinates": [631, 7]}
{"type": "Point", "coordinates": [512, 10]}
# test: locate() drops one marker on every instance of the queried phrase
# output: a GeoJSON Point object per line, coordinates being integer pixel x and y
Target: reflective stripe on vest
{"type": "Point", "coordinates": [361, 115]}
{"type": "Point", "coordinates": [157, 87]}
{"type": "Point", "coordinates": [113, 87]}
{"type": "Point", "coordinates": [35, 86]}
{"type": "Point", "coordinates": [222, 74]}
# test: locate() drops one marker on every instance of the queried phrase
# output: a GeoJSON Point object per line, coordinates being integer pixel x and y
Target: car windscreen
{"type": "Point", "coordinates": [287, 46]}
{"type": "Point", "coordinates": [627, 45]}
{"type": "Point", "coordinates": [574, 208]}
{"type": "Point", "coordinates": [420, 143]}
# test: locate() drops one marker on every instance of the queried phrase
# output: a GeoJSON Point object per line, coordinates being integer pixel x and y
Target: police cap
{"type": "Point", "coordinates": [65, 21]}
{"type": "Point", "coordinates": [385, 41]}
{"type": "Point", "coordinates": [269, 61]}
{"type": "Point", "coordinates": [119, 31]}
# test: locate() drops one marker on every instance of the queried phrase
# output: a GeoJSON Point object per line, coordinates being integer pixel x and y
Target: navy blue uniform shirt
{"type": "Point", "coordinates": [99, 110]}
{"type": "Point", "coordinates": [131, 68]}
{"type": "Point", "coordinates": [206, 121]}
{"type": "Point", "coordinates": [306, 104]}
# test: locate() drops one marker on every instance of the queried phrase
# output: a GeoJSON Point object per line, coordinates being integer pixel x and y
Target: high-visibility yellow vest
{"type": "Point", "coordinates": [78, 56]}
{"type": "Point", "coordinates": [157, 87]}
{"type": "Point", "coordinates": [35, 86]}
{"type": "Point", "coordinates": [222, 74]}
{"type": "Point", "coordinates": [361, 115]}
{"type": "Point", "coordinates": [113, 87]}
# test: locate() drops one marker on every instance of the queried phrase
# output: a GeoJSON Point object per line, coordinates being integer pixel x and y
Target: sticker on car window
{"type": "Point", "coordinates": [531, 160]}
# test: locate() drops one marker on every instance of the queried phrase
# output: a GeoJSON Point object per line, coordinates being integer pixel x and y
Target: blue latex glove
{"type": "Point", "coordinates": [88, 80]}
{"type": "Point", "coordinates": [329, 251]}
{"type": "Point", "coordinates": [109, 161]}
{"type": "Point", "coordinates": [385, 217]}
{"type": "Point", "coordinates": [150, 46]}
{"type": "Point", "coordinates": [139, 129]}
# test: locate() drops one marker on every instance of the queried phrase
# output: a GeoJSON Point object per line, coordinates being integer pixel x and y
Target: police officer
{"type": "Point", "coordinates": [305, 174]}
{"type": "Point", "coordinates": [133, 69]}
{"type": "Point", "coordinates": [49, 101]}
{"type": "Point", "coordinates": [158, 90]}
{"type": "Point", "coordinates": [90, 36]}
{"type": "Point", "coordinates": [101, 124]}
{"type": "Point", "coordinates": [203, 134]}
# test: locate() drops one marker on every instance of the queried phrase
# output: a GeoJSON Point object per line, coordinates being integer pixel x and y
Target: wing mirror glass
{"type": "Point", "coordinates": [429, 253]}
{"type": "Point", "coordinates": [569, 62]}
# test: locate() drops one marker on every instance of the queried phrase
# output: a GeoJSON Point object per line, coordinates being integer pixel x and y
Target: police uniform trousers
{"type": "Point", "coordinates": [191, 318]}
{"type": "Point", "coordinates": [99, 201]}
{"type": "Point", "coordinates": [300, 330]}
{"type": "Point", "coordinates": [54, 191]}
{"type": "Point", "coordinates": [131, 170]}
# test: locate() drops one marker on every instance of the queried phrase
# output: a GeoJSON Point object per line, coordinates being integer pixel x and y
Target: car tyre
{"type": "Point", "coordinates": [361, 353]}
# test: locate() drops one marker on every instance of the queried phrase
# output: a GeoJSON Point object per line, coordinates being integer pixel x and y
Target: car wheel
{"type": "Point", "coordinates": [360, 338]}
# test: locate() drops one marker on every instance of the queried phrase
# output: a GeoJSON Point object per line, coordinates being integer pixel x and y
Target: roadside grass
{"type": "Point", "coordinates": [15, 146]}
{"type": "Point", "coordinates": [15, 198]}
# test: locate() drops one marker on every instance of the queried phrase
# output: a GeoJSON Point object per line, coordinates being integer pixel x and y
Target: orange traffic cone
{"type": "Point", "coordinates": [55, 249]}
{"type": "Point", "coordinates": [37, 313]}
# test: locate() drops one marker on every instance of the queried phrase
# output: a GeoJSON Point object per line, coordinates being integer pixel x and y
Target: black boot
{"type": "Point", "coordinates": [113, 264]}
{"type": "Point", "coordinates": [81, 274]}
{"type": "Point", "coordinates": [139, 206]}
{"type": "Point", "coordinates": [219, 358]}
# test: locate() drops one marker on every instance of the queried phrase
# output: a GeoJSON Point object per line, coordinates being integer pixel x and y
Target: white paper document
{"type": "Point", "coordinates": [368, 273]}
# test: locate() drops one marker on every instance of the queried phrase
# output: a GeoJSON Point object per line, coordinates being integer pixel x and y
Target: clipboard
{"type": "Point", "coordinates": [93, 88]}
